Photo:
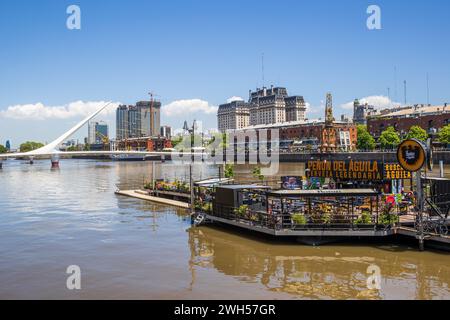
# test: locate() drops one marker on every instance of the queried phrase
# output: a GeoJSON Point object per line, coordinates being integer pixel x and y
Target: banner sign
{"type": "Point", "coordinates": [355, 170]}
{"type": "Point", "coordinates": [393, 171]}
{"type": "Point", "coordinates": [351, 170]}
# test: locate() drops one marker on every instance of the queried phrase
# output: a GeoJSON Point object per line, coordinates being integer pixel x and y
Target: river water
{"type": "Point", "coordinates": [132, 249]}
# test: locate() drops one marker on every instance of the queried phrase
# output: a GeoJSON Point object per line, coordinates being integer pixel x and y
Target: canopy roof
{"type": "Point", "coordinates": [336, 192]}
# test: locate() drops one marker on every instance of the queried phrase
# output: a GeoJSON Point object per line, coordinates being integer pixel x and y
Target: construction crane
{"type": "Point", "coordinates": [105, 139]}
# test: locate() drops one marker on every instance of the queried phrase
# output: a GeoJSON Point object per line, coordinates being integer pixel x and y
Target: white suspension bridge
{"type": "Point", "coordinates": [51, 150]}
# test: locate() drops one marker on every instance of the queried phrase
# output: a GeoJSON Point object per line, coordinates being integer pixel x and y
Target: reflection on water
{"type": "Point", "coordinates": [128, 248]}
{"type": "Point", "coordinates": [328, 272]}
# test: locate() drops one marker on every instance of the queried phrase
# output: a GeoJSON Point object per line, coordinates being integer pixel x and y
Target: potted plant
{"type": "Point", "coordinates": [364, 220]}
{"type": "Point", "coordinates": [241, 211]}
{"type": "Point", "coordinates": [299, 219]}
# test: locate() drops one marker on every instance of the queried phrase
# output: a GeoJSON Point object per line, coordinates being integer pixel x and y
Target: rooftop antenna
{"type": "Point", "coordinates": [395, 83]}
{"type": "Point", "coordinates": [262, 67]}
{"type": "Point", "coordinates": [428, 90]}
{"type": "Point", "coordinates": [389, 95]}
{"type": "Point", "coordinates": [404, 84]}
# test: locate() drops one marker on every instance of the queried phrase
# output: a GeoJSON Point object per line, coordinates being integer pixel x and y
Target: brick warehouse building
{"type": "Point", "coordinates": [331, 135]}
{"type": "Point", "coordinates": [430, 118]}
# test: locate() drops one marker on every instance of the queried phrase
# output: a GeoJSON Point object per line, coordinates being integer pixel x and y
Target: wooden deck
{"type": "Point", "coordinates": [411, 232]}
{"type": "Point", "coordinates": [143, 195]}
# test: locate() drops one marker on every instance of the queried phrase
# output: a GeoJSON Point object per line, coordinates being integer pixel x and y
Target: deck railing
{"type": "Point", "coordinates": [288, 221]}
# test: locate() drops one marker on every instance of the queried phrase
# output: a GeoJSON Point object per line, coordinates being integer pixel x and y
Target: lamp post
{"type": "Point", "coordinates": [191, 181]}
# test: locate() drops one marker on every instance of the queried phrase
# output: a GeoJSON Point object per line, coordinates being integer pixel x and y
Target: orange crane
{"type": "Point", "coordinates": [105, 139]}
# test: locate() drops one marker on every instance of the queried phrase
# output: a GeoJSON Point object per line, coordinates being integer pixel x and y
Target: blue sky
{"type": "Point", "coordinates": [211, 51]}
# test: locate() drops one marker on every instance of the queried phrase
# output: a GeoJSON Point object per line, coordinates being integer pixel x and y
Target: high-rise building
{"type": "Point", "coordinates": [274, 105]}
{"type": "Point", "coordinates": [233, 115]}
{"type": "Point", "coordinates": [140, 120]}
{"type": "Point", "coordinates": [265, 106]}
{"type": "Point", "coordinates": [149, 117]}
{"type": "Point", "coordinates": [166, 132]}
{"type": "Point", "coordinates": [97, 132]}
{"type": "Point", "coordinates": [122, 122]}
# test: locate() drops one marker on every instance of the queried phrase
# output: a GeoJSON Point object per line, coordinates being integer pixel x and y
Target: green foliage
{"type": "Point", "coordinates": [241, 211]}
{"type": "Point", "coordinates": [444, 135]}
{"type": "Point", "coordinates": [30, 145]}
{"type": "Point", "coordinates": [87, 147]}
{"type": "Point", "coordinates": [389, 138]}
{"type": "Point", "coordinates": [416, 132]}
{"type": "Point", "coordinates": [326, 218]}
{"type": "Point", "coordinates": [2, 149]}
{"type": "Point", "coordinates": [299, 219]}
{"type": "Point", "coordinates": [229, 171]}
{"type": "Point", "coordinates": [257, 173]}
{"type": "Point", "coordinates": [365, 218]}
{"type": "Point", "coordinates": [176, 140]}
{"type": "Point", "coordinates": [365, 139]}
{"type": "Point", "coordinates": [388, 219]}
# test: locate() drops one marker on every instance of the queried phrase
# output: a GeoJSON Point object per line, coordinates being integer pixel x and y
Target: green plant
{"type": "Point", "coordinates": [388, 219]}
{"type": "Point", "coordinates": [299, 219]}
{"type": "Point", "coordinates": [241, 211]}
{"type": "Point", "coordinates": [229, 171]}
{"type": "Point", "coordinates": [3, 149]}
{"type": "Point", "coordinates": [365, 218]}
{"type": "Point", "coordinates": [326, 218]}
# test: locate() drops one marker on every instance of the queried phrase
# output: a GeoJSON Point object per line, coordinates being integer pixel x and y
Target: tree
{"type": "Point", "coordinates": [229, 171]}
{"type": "Point", "coordinates": [416, 132]}
{"type": "Point", "coordinates": [444, 135]}
{"type": "Point", "coordinates": [3, 149]}
{"type": "Point", "coordinates": [30, 145]}
{"type": "Point", "coordinates": [389, 138]}
{"type": "Point", "coordinates": [365, 139]}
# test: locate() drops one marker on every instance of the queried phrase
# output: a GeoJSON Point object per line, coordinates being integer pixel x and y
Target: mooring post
{"type": "Point", "coordinates": [1, 163]}
{"type": "Point", "coordinates": [31, 160]}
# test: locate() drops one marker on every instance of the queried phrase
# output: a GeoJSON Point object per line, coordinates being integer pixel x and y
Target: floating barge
{"type": "Point", "coordinates": [311, 216]}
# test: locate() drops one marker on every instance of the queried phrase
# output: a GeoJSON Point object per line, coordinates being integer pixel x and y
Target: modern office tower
{"type": "Point", "coordinates": [166, 132]}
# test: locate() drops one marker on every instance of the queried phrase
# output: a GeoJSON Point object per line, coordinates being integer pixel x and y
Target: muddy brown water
{"type": "Point", "coordinates": [132, 249]}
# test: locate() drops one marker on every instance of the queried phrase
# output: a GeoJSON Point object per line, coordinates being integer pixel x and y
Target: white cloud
{"type": "Point", "coordinates": [39, 111]}
{"type": "Point", "coordinates": [379, 102]}
{"type": "Point", "coordinates": [183, 107]}
{"type": "Point", "coordinates": [234, 98]}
